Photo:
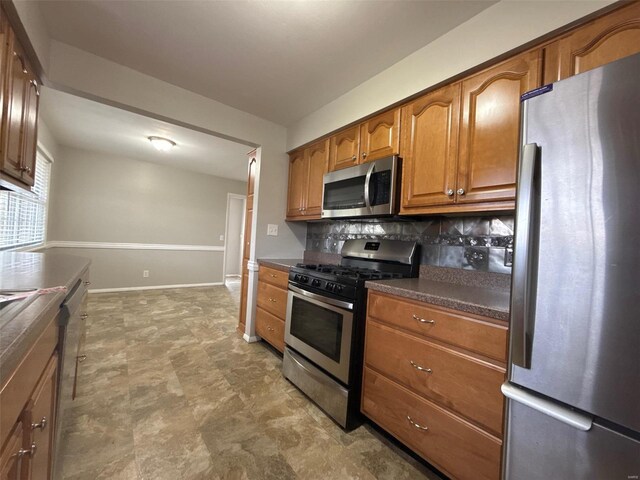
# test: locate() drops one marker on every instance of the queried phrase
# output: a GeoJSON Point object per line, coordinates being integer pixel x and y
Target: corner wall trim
{"type": "Point", "coordinates": [133, 246]}
{"type": "Point", "coordinates": [249, 339]}
{"type": "Point", "coordinates": [154, 287]}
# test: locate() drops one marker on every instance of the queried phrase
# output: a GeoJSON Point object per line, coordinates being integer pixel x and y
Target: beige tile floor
{"type": "Point", "coordinates": [170, 391]}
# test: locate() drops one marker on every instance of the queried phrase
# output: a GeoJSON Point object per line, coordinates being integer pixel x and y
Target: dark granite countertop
{"type": "Point", "coordinates": [283, 264]}
{"type": "Point", "coordinates": [26, 271]}
{"type": "Point", "coordinates": [480, 300]}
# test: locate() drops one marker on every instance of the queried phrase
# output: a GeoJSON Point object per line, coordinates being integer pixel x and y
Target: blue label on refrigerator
{"type": "Point", "coordinates": [536, 92]}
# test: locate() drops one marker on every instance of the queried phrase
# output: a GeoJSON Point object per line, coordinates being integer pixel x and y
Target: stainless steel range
{"type": "Point", "coordinates": [324, 329]}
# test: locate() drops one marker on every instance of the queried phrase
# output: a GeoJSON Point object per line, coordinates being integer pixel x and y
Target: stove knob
{"type": "Point", "coordinates": [315, 282]}
{"type": "Point", "coordinates": [330, 286]}
{"type": "Point", "coordinates": [304, 279]}
{"type": "Point", "coordinates": [296, 277]}
{"type": "Point", "coordinates": [338, 289]}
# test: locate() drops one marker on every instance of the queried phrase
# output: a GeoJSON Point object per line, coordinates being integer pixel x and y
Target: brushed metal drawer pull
{"type": "Point", "coordinates": [273, 276]}
{"type": "Point", "coordinates": [81, 358]}
{"type": "Point", "coordinates": [418, 367]}
{"type": "Point", "coordinates": [273, 300]}
{"type": "Point", "coordinates": [417, 425]}
{"type": "Point", "coordinates": [423, 320]}
{"type": "Point", "coordinates": [84, 316]}
{"type": "Point", "coordinates": [270, 328]}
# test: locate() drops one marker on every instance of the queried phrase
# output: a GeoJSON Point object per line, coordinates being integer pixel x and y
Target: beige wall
{"type": "Point", "coordinates": [97, 197]}
{"type": "Point", "coordinates": [494, 31]}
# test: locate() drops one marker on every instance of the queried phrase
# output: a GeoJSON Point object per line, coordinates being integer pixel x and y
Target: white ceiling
{"type": "Point", "coordinates": [85, 124]}
{"type": "Point", "coordinates": [280, 60]}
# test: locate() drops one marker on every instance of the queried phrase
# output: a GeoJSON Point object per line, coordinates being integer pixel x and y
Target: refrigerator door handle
{"type": "Point", "coordinates": [572, 418]}
{"type": "Point", "coordinates": [525, 215]}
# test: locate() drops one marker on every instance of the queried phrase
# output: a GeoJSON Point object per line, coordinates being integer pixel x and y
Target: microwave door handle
{"type": "Point", "coordinates": [367, 181]}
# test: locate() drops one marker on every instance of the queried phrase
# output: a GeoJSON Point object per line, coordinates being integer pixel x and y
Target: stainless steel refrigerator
{"type": "Point", "coordinates": [573, 388]}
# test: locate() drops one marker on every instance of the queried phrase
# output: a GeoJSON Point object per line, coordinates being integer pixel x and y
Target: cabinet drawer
{"type": "Point", "coordinates": [461, 450]}
{"type": "Point", "coordinates": [275, 277]}
{"type": "Point", "coordinates": [270, 328]}
{"type": "Point", "coordinates": [16, 392]}
{"type": "Point", "coordinates": [464, 330]}
{"type": "Point", "coordinates": [453, 380]}
{"type": "Point", "coordinates": [272, 299]}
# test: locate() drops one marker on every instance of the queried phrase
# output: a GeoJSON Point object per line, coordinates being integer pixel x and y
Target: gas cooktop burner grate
{"type": "Point", "coordinates": [349, 272]}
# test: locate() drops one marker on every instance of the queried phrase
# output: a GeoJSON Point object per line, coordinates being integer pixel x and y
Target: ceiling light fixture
{"type": "Point", "coordinates": [162, 144]}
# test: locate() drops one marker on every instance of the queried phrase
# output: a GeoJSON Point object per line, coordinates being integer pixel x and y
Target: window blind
{"type": "Point", "coordinates": [23, 218]}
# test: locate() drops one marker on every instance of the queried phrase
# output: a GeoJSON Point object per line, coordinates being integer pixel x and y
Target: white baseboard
{"type": "Point", "coordinates": [154, 287]}
{"type": "Point", "coordinates": [249, 339]}
{"type": "Point", "coordinates": [232, 276]}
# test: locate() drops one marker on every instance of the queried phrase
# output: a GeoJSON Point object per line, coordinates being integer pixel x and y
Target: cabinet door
{"type": "Point", "coordinates": [41, 415]}
{"type": "Point", "coordinates": [317, 161]}
{"type": "Point", "coordinates": [12, 462]}
{"type": "Point", "coordinates": [30, 132]}
{"type": "Point", "coordinates": [606, 39]}
{"type": "Point", "coordinates": [13, 118]}
{"type": "Point", "coordinates": [430, 128]}
{"type": "Point", "coordinates": [380, 136]}
{"type": "Point", "coordinates": [344, 149]}
{"type": "Point", "coordinates": [489, 136]}
{"type": "Point", "coordinates": [298, 173]}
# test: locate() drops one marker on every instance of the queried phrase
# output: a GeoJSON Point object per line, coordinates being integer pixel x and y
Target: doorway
{"type": "Point", "coordinates": [234, 237]}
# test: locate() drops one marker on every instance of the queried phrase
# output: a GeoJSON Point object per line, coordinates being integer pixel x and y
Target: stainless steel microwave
{"type": "Point", "coordinates": [370, 189]}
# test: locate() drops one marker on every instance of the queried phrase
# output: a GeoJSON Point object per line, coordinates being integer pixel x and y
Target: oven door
{"type": "Point", "coordinates": [320, 328]}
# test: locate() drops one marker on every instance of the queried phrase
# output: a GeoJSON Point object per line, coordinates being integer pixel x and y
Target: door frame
{"type": "Point", "coordinates": [231, 196]}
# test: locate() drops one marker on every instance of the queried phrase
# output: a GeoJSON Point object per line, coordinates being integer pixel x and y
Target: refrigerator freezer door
{"type": "Point", "coordinates": [583, 322]}
{"type": "Point", "coordinates": [542, 448]}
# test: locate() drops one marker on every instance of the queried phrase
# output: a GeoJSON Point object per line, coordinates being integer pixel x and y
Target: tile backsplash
{"type": "Point", "coordinates": [470, 243]}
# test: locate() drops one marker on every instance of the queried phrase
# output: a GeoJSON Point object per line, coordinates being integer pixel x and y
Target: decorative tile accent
{"type": "Point", "coordinates": [470, 243]}
{"type": "Point", "coordinates": [476, 258]}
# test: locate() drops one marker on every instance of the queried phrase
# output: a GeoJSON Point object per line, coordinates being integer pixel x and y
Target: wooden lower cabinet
{"type": "Point", "coordinates": [13, 458]}
{"type": "Point", "coordinates": [40, 417]}
{"type": "Point", "coordinates": [28, 411]}
{"type": "Point", "coordinates": [457, 381]}
{"type": "Point", "coordinates": [474, 333]}
{"type": "Point", "coordinates": [432, 378]}
{"type": "Point", "coordinates": [270, 328]}
{"type": "Point", "coordinates": [451, 444]}
{"type": "Point", "coordinates": [271, 305]}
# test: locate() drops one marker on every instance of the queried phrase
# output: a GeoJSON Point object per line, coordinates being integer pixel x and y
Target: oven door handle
{"type": "Point", "coordinates": [322, 298]}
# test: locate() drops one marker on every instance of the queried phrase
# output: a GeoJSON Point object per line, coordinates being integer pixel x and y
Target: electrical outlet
{"type": "Point", "coordinates": [272, 230]}
{"type": "Point", "coordinates": [508, 257]}
{"type": "Point", "coordinates": [222, 238]}
{"type": "Point", "coordinates": [145, 273]}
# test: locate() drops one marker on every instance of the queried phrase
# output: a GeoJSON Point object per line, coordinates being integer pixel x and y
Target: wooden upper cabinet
{"type": "Point", "coordinates": [298, 172]}
{"type": "Point", "coordinates": [606, 39]}
{"type": "Point", "coordinates": [30, 133]}
{"type": "Point", "coordinates": [306, 170]}
{"type": "Point", "coordinates": [430, 128]}
{"type": "Point", "coordinates": [17, 78]}
{"type": "Point", "coordinates": [489, 135]}
{"type": "Point", "coordinates": [380, 136]}
{"type": "Point", "coordinates": [317, 157]}
{"type": "Point", "coordinates": [344, 149]}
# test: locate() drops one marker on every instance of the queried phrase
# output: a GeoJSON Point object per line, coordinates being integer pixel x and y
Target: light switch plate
{"type": "Point", "coordinates": [272, 230]}
{"type": "Point", "coordinates": [222, 238]}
